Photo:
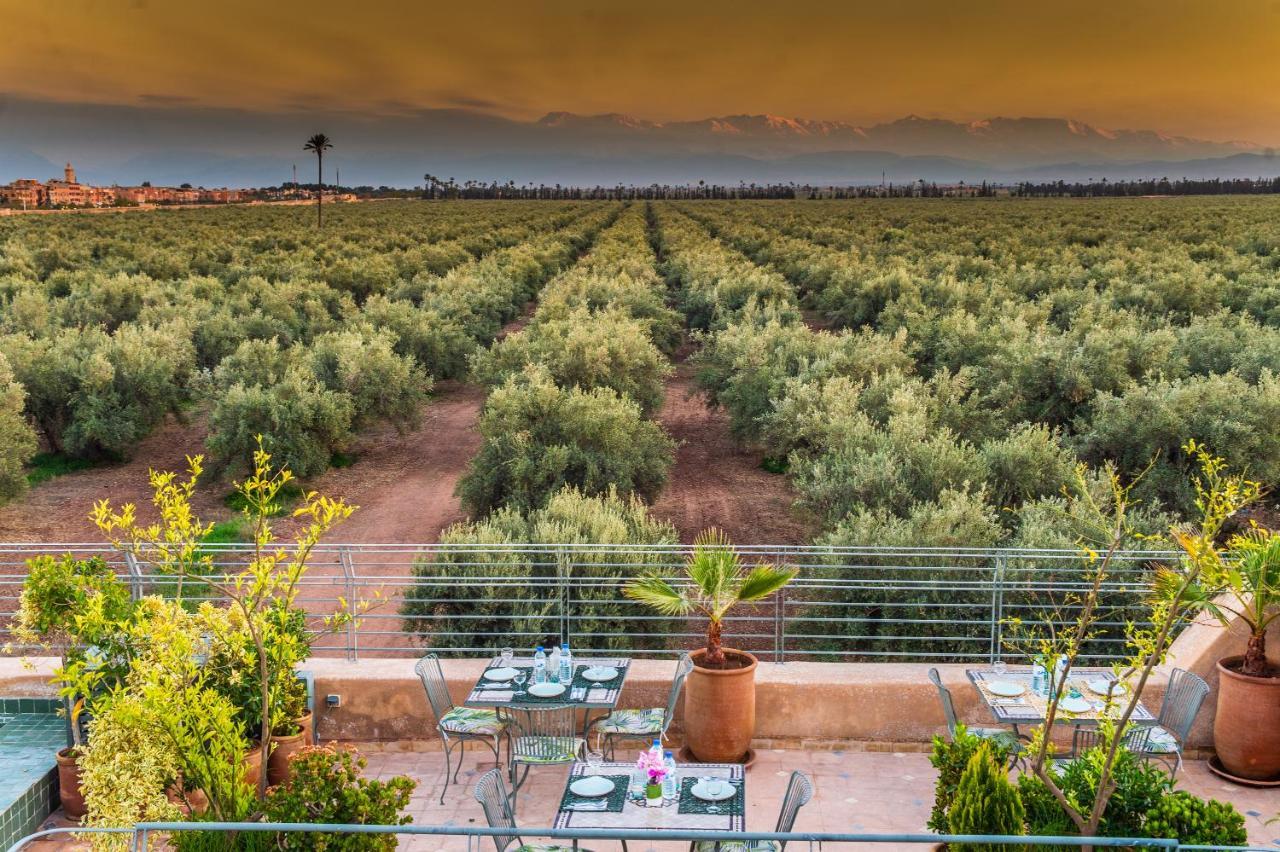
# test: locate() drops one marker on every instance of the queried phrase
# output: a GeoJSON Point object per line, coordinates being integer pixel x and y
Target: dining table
{"type": "Point", "coordinates": [1010, 699]}
{"type": "Point", "coordinates": [624, 808]}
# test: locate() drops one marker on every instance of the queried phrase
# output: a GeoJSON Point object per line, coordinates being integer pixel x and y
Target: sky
{"type": "Point", "coordinates": [1206, 69]}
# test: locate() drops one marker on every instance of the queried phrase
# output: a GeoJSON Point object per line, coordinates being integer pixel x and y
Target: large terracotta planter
{"type": "Point", "coordinates": [720, 709]}
{"type": "Point", "coordinates": [1246, 731]}
{"type": "Point", "coordinates": [252, 765]}
{"type": "Point", "coordinates": [191, 802]}
{"type": "Point", "coordinates": [283, 748]}
{"type": "Point", "coordinates": [306, 723]}
{"type": "Point", "coordinates": [69, 784]}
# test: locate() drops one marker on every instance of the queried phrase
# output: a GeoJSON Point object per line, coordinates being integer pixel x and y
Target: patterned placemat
{"type": "Point", "coordinates": [613, 801]}
{"type": "Point", "coordinates": [581, 691]}
{"type": "Point", "coordinates": [691, 804]}
{"type": "Point", "coordinates": [1032, 707]}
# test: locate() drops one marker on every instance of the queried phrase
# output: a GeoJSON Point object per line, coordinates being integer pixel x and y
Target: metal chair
{"type": "Point", "coordinates": [1083, 739]}
{"type": "Point", "coordinates": [799, 792]}
{"type": "Point", "coordinates": [543, 736]}
{"type": "Point", "coordinates": [1182, 702]}
{"type": "Point", "coordinates": [499, 812]}
{"type": "Point", "coordinates": [1000, 735]}
{"type": "Point", "coordinates": [650, 722]}
{"type": "Point", "coordinates": [457, 725]}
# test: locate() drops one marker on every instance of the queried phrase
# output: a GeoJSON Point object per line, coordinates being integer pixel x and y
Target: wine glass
{"type": "Point", "coordinates": [594, 759]}
{"type": "Point", "coordinates": [999, 667]}
{"type": "Point", "coordinates": [507, 656]}
{"type": "Point", "coordinates": [519, 682]}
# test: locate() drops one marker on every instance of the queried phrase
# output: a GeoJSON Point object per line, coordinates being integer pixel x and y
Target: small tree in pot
{"type": "Point", "coordinates": [720, 694]}
{"type": "Point", "coordinates": [1243, 585]}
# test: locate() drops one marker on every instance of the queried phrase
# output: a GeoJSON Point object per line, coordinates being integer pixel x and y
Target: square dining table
{"type": "Point", "coordinates": [686, 813]}
{"type": "Point", "coordinates": [584, 693]}
{"type": "Point", "coordinates": [1030, 709]}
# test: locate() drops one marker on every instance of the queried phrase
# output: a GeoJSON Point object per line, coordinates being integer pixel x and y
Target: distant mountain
{"type": "Point", "coordinates": [214, 147]}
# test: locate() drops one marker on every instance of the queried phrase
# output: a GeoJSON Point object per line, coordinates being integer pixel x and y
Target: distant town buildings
{"type": "Point", "coordinates": [69, 192]}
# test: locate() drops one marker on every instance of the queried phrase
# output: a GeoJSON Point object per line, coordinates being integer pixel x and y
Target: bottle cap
{"type": "Point", "coordinates": [539, 647]}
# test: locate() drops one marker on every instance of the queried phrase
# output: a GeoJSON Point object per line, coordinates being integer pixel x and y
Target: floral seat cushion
{"type": "Point", "coordinates": [1000, 735]}
{"type": "Point", "coordinates": [538, 847]}
{"type": "Point", "coordinates": [1161, 741]}
{"type": "Point", "coordinates": [636, 721]}
{"type": "Point", "coordinates": [472, 720]}
{"type": "Point", "coordinates": [737, 846]}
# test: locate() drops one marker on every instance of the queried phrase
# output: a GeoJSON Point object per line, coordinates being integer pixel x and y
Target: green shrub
{"type": "Point", "coordinates": [985, 801]}
{"type": "Point", "coordinates": [326, 785]}
{"type": "Point", "coordinates": [17, 438]}
{"type": "Point", "coordinates": [1030, 463]}
{"type": "Point", "coordinates": [1191, 820]}
{"type": "Point", "coordinates": [538, 437]}
{"type": "Point", "coordinates": [382, 385]}
{"type": "Point", "coordinates": [951, 758]}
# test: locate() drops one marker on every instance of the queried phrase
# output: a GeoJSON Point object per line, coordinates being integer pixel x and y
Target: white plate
{"type": "Point", "coordinates": [547, 690]}
{"type": "Point", "coordinates": [600, 674]}
{"type": "Point", "coordinates": [501, 674]}
{"type": "Point", "coordinates": [1005, 689]}
{"type": "Point", "coordinates": [1075, 705]}
{"type": "Point", "coordinates": [592, 786]}
{"type": "Point", "coordinates": [727, 791]}
{"type": "Point", "coordinates": [1102, 686]}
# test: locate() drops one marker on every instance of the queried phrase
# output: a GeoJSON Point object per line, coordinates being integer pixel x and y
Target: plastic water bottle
{"type": "Point", "coordinates": [553, 669]}
{"type": "Point", "coordinates": [540, 666]}
{"type": "Point", "coordinates": [566, 665]}
{"type": "Point", "coordinates": [1059, 675]}
{"type": "Point", "coordinates": [1039, 679]}
{"type": "Point", "coordinates": [670, 781]}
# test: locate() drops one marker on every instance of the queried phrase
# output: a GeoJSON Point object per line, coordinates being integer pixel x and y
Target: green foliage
{"type": "Point", "coordinates": [985, 801]}
{"type": "Point", "coordinates": [46, 466]}
{"type": "Point", "coordinates": [454, 593]}
{"type": "Point", "coordinates": [1193, 820]}
{"type": "Point", "coordinates": [539, 437]}
{"type": "Point", "coordinates": [951, 758]}
{"type": "Point", "coordinates": [326, 785]}
{"type": "Point", "coordinates": [17, 438]}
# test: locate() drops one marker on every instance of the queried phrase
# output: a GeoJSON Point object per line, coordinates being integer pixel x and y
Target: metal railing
{"type": "Point", "coordinates": [846, 603]}
{"type": "Point", "coordinates": [139, 837]}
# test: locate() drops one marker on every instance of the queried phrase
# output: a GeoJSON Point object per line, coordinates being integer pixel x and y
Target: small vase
{"type": "Point", "coordinates": [653, 795]}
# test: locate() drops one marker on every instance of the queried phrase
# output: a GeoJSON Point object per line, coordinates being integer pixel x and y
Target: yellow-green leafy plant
{"type": "Point", "coordinates": [255, 594]}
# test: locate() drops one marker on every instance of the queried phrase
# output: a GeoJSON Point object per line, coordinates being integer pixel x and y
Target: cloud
{"type": "Point", "coordinates": [165, 100]}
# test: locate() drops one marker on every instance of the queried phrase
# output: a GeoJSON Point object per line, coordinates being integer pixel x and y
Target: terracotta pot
{"type": "Point", "coordinates": [69, 784]}
{"type": "Point", "coordinates": [283, 748]}
{"type": "Point", "coordinates": [194, 802]}
{"type": "Point", "coordinates": [252, 765]}
{"type": "Point", "coordinates": [720, 709]}
{"type": "Point", "coordinates": [308, 729]}
{"type": "Point", "coordinates": [1246, 731]}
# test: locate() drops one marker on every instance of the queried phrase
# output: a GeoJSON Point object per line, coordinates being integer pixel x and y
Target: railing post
{"type": "Point", "coordinates": [349, 574]}
{"type": "Point", "coordinates": [135, 574]}
{"type": "Point", "coordinates": [564, 570]}
{"type": "Point", "coordinates": [997, 607]}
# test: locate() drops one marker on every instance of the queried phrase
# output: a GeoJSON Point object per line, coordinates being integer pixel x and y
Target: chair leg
{"type": "Point", "coordinates": [462, 752]}
{"type": "Point", "coordinates": [448, 752]}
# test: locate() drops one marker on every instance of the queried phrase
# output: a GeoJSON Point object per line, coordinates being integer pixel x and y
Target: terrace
{"type": "Point", "coordinates": [842, 689]}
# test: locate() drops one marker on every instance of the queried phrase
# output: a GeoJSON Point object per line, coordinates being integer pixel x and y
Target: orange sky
{"type": "Point", "coordinates": [1209, 68]}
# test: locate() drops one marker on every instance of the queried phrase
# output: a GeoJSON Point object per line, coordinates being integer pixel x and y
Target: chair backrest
{"type": "Point", "coordinates": [491, 793]}
{"type": "Point", "coordinates": [1182, 701]}
{"type": "Point", "coordinates": [948, 706]}
{"type": "Point", "coordinates": [799, 792]}
{"type": "Point", "coordinates": [1137, 740]}
{"type": "Point", "coordinates": [683, 666]}
{"type": "Point", "coordinates": [433, 682]}
{"type": "Point", "coordinates": [547, 734]}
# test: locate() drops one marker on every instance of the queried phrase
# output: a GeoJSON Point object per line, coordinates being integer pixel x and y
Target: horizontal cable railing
{"type": "Point", "coordinates": [845, 603]}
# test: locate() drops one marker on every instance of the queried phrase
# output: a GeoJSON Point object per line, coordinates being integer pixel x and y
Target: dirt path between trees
{"type": "Point", "coordinates": [716, 483]}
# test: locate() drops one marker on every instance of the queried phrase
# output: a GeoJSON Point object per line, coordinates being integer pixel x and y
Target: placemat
{"type": "Point", "coordinates": [614, 800]}
{"type": "Point", "coordinates": [1030, 706]}
{"type": "Point", "coordinates": [691, 804]}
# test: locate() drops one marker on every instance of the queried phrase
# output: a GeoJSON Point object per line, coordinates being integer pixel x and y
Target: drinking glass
{"type": "Point", "coordinates": [519, 682]}
{"type": "Point", "coordinates": [594, 759]}
{"type": "Point", "coordinates": [507, 656]}
{"type": "Point", "coordinates": [998, 667]}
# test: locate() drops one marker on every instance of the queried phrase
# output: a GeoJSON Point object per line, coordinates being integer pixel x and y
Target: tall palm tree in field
{"type": "Point", "coordinates": [317, 145]}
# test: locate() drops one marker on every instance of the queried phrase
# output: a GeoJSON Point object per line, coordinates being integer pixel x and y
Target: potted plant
{"type": "Point", "coordinates": [1244, 586]}
{"type": "Point", "coordinates": [720, 695]}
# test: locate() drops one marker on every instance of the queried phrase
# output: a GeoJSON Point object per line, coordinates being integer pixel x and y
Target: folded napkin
{"type": "Point", "coordinates": [1020, 711]}
{"type": "Point", "coordinates": [597, 695]}
{"type": "Point", "coordinates": [497, 694]}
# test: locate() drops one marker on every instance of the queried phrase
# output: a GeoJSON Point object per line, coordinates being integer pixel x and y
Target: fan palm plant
{"type": "Point", "coordinates": [717, 584]}
{"type": "Point", "coordinates": [317, 145]}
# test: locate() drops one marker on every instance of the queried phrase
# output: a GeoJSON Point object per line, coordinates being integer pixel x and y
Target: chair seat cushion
{"type": "Point", "coordinates": [737, 846]}
{"type": "Point", "coordinates": [472, 720]}
{"type": "Point", "coordinates": [1003, 736]}
{"type": "Point", "coordinates": [635, 721]}
{"type": "Point", "coordinates": [536, 749]}
{"type": "Point", "coordinates": [1161, 741]}
{"type": "Point", "coordinates": [538, 847]}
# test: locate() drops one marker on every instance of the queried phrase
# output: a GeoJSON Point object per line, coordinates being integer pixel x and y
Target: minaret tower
{"type": "Point", "coordinates": [69, 174]}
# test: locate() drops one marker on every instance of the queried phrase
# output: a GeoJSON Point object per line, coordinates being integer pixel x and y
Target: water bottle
{"type": "Point", "coordinates": [670, 782]}
{"type": "Point", "coordinates": [553, 669]}
{"type": "Point", "coordinates": [1039, 679]}
{"type": "Point", "coordinates": [1059, 675]}
{"type": "Point", "coordinates": [540, 666]}
{"type": "Point", "coordinates": [566, 665]}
